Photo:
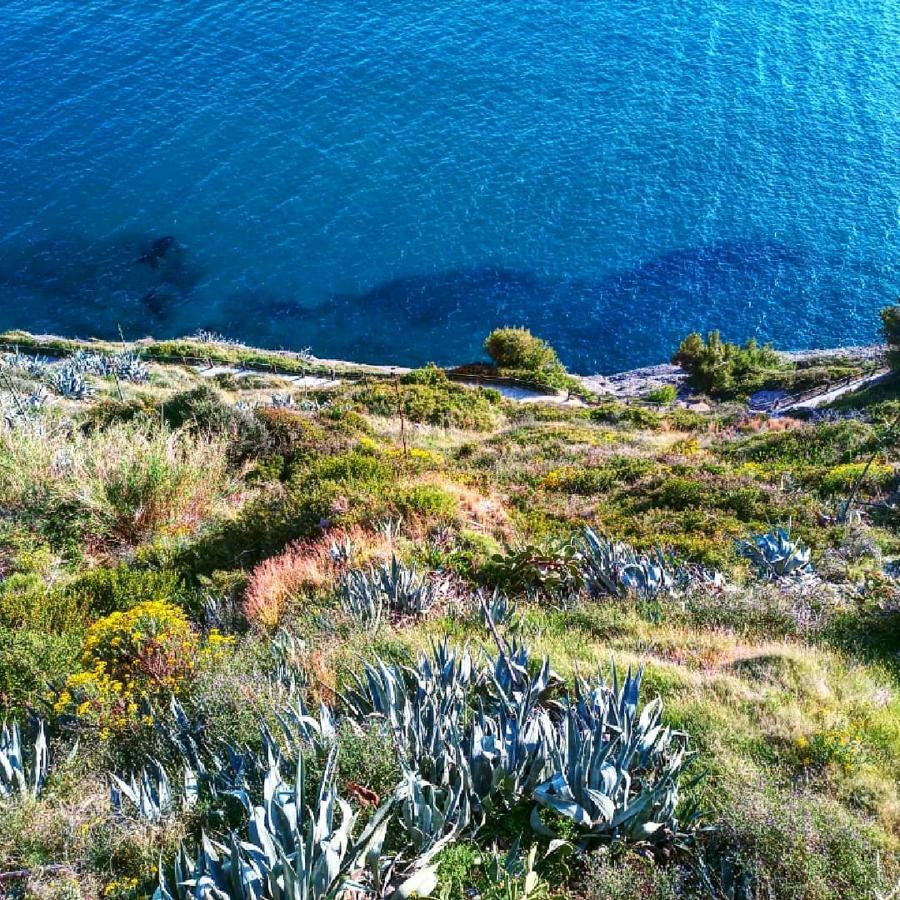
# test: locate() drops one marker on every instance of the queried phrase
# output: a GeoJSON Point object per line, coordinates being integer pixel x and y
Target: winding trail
{"type": "Point", "coordinates": [829, 396]}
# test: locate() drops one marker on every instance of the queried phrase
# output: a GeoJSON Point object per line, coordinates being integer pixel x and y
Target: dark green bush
{"type": "Point", "coordinates": [203, 409]}
{"type": "Point", "coordinates": [103, 590]}
{"type": "Point", "coordinates": [829, 444]}
{"type": "Point", "coordinates": [30, 660]}
{"type": "Point", "coordinates": [727, 370]}
{"type": "Point", "coordinates": [429, 375]}
{"type": "Point", "coordinates": [367, 760]}
{"type": "Point", "coordinates": [663, 395]}
{"type": "Point", "coordinates": [427, 501]}
{"type": "Point", "coordinates": [518, 348]}
{"type": "Point", "coordinates": [890, 326]}
{"type": "Point", "coordinates": [432, 402]}
{"type": "Point", "coordinates": [687, 420]}
{"type": "Point", "coordinates": [614, 413]}
{"type": "Point", "coordinates": [26, 601]}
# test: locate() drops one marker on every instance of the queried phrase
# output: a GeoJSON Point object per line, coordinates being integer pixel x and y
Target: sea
{"type": "Point", "coordinates": [388, 180]}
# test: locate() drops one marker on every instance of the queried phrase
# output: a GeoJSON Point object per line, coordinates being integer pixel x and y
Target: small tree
{"type": "Point", "coordinates": [520, 350]}
{"type": "Point", "coordinates": [890, 326]}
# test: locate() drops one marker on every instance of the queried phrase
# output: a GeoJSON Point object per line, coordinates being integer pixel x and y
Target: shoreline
{"type": "Point", "coordinates": [625, 384]}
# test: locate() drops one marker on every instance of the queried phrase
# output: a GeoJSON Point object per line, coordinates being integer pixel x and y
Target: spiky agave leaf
{"type": "Point", "coordinates": [616, 768]}
{"type": "Point", "coordinates": [21, 776]}
{"type": "Point", "coordinates": [776, 555]}
{"type": "Point", "coordinates": [291, 850]}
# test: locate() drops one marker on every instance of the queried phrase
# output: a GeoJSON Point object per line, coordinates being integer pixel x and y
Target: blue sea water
{"type": "Point", "coordinates": [386, 181]}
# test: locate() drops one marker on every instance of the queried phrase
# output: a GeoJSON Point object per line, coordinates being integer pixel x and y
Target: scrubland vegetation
{"type": "Point", "coordinates": [405, 637]}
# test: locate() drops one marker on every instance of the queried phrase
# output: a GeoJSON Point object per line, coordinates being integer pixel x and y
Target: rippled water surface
{"type": "Point", "coordinates": [388, 180]}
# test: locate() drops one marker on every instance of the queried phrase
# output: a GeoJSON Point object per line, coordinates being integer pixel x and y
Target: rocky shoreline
{"type": "Point", "coordinates": [635, 383]}
{"type": "Point", "coordinates": [631, 384]}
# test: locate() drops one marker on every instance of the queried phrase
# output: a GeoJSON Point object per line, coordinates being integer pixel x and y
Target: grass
{"type": "Point", "coordinates": [245, 517]}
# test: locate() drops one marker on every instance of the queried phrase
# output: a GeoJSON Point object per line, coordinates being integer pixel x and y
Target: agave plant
{"type": "Point", "coordinates": [32, 366]}
{"type": "Point", "coordinates": [615, 773]}
{"type": "Point", "coordinates": [69, 381]}
{"type": "Point", "coordinates": [302, 731]}
{"type": "Point", "coordinates": [150, 792]}
{"type": "Point", "coordinates": [287, 674]}
{"type": "Point", "coordinates": [383, 690]}
{"type": "Point", "coordinates": [289, 850]}
{"type": "Point", "coordinates": [21, 777]}
{"type": "Point", "coordinates": [393, 586]}
{"type": "Point", "coordinates": [434, 816]}
{"type": "Point", "coordinates": [362, 598]}
{"type": "Point", "coordinates": [19, 410]}
{"type": "Point", "coordinates": [408, 592]}
{"type": "Point", "coordinates": [614, 568]}
{"type": "Point", "coordinates": [508, 753]}
{"type": "Point", "coordinates": [128, 366]}
{"type": "Point", "coordinates": [341, 552]}
{"type": "Point", "coordinates": [421, 722]}
{"type": "Point", "coordinates": [498, 610]}
{"type": "Point", "coordinates": [283, 401]}
{"type": "Point", "coordinates": [776, 555]}
{"type": "Point", "coordinates": [203, 336]}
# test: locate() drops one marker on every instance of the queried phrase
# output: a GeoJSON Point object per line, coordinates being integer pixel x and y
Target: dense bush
{"type": "Point", "coordinates": [624, 414]}
{"type": "Point", "coordinates": [27, 601]}
{"type": "Point", "coordinates": [829, 444]}
{"type": "Point", "coordinates": [30, 662]}
{"type": "Point", "coordinates": [517, 353]}
{"type": "Point", "coordinates": [841, 479]}
{"type": "Point", "coordinates": [663, 395]}
{"type": "Point", "coordinates": [722, 369]}
{"type": "Point", "coordinates": [433, 400]}
{"type": "Point", "coordinates": [890, 323]}
{"type": "Point", "coordinates": [202, 409]}
{"type": "Point", "coordinates": [518, 348]}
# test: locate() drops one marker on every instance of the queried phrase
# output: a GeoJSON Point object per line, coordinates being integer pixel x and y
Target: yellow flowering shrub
{"type": "Point", "coordinates": [146, 654]}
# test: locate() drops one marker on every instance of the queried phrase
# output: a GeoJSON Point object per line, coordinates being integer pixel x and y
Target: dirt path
{"type": "Point", "coordinates": [829, 396]}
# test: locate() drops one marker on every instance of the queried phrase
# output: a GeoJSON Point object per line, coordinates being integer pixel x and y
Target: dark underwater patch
{"type": "Point", "coordinates": [636, 316]}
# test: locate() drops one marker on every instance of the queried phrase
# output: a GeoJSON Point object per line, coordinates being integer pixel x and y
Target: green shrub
{"type": "Point", "coordinates": [746, 501]}
{"type": "Point", "coordinates": [687, 420]}
{"type": "Point", "coordinates": [427, 502]}
{"type": "Point", "coordinates": [109, 411]}
{"type": "Point", "coordinates": [432, 402]}
{"type": "Point", "coordinates": [518, 348]}
{"type": "Point", "coordinates": [727, 370]}
{"type": "Point", "coordinates": [803, 845]}
{"type": "Point", "coordinates": [829, 444]}
{"type": "Point", "coordinates": [615, 413]}
{"type": "Point", "coordinates": [642, 418]}
{"type": "Point", "coordinates": [202, 409]}
{"type": "Point", "coordinates": [890, 325]}
{"type": "Point", "coordinates": [293, 435]}
{"type": "Point", "coordinates": [628, 876]}
{"type": "Point", "coordinates": [430, 375]}
{"type": "Point", "coordinates": [584, 480]}
{"type": "Point", "coordinates": [663, 395]}
{"type": "Point", "coordinates": [841, 479]}
{"type": "Point", "coordinates": [296, 510]}
{"type": "Point", "coordinates": [30, 660]}
{"type": "Point", "coordinates": [367, 759]}
{"type": "Point", "coordinates": [553, 570]}
{"type": "Point", "coordinates": [26, 601]}
{"type": "Point", "coordinates": [102, 590]}
{"type": "Point", "coordinates": [517, 353]}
